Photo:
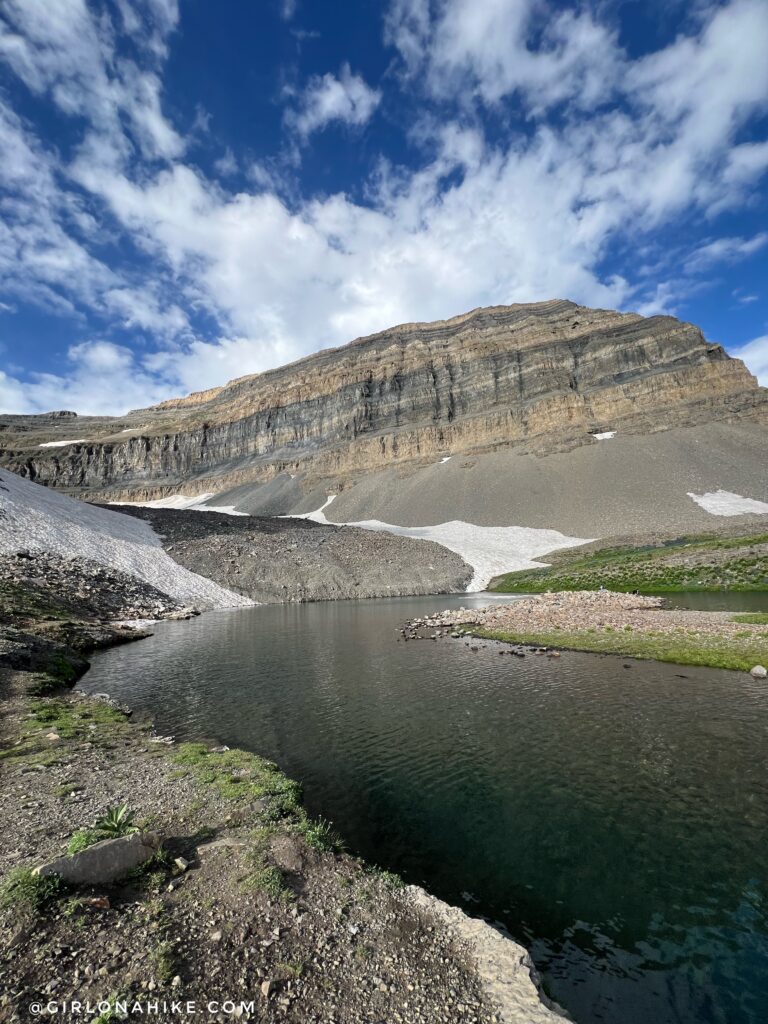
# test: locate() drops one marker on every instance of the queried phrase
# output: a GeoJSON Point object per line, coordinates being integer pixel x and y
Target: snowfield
{"type": "Point", "coordinates": [184, 501]}
{"type": "Point", "coordinates": [36, 518]}
{"type": "Point", "coordinates": [726, 503]}
{"type": "Point", "coordinates": [63, 444]}
{"type": "Point", "coordinates": [490, 550]}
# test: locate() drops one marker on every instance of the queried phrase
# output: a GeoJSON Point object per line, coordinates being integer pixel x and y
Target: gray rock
{"type": "Point", "coordinates": [104, 862]}
{"type": "Point", "coordinates": [758, 672]}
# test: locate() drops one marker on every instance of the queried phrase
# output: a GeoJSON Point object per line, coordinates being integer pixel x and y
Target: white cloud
{"type": "Point", "coordinates": [755, 355]}
{"type": "Point", "coordinates": [725, 250]}
{"type": "Point", "coordinates": [528, 216]}
{"type": "Point", "coordinates": [99, 378]}
{"type": "Point", "coordinates": [227, 164]}
{"type": "Point", "coordinates": [347, 99]}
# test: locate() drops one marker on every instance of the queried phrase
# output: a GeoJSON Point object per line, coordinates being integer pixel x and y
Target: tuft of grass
{"type": "Point", "coordinates": [290, 968]}
{"type": "Point", "coordinates": [752, 618]}
{"type": "Point", "coordinates": [81, 840]}
{"type": "Point", "coordinates": [23, 890]}
{"type": "Point", "coordinates": [321, 835]}
{"type": "Point", "coordinates": [164, 961]}
{"type": "Point", "coordinates": [268, 880]}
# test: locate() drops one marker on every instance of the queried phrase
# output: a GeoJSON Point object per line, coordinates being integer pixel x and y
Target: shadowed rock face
{"type": "Point", "coordinates": [539, 377]}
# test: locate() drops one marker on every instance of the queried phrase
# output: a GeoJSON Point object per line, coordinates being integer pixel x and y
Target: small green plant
{"type": "Point", "coordinates": [268, 880]}
{"type": "Point", "coordinates": [752, 618]}
{"type": "Point", "coordinates": [290, 968]}
{"type": "Point", "coordinates": [321, 835]}
{"type": "Point", "coordinates": [164, 961]}
{"type": "Point", "coordinates": [24, 890]}
{"type": "Point", "coordinates": [81, 840]}
{"type": "Point", "coordinates": [118, 821]}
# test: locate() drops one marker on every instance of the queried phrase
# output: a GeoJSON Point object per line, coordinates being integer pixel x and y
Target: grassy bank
{"type": "Point", "coordinates": [707, 564]}
{"type": "Point", "coordinates": [683, 647]}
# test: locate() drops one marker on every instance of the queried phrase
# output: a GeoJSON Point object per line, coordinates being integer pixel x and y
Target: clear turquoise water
{"type": "Point", "coordinates": [611, 814]}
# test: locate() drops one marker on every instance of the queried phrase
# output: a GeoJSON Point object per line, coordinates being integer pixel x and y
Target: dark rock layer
{"type": "Point", "coordinates": [539, 377]}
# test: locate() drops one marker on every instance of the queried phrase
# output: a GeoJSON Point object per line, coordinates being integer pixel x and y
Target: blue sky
{"type": "Point", "coordinates": [194, 191]}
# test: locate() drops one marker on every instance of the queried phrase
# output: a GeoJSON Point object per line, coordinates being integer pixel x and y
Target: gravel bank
{"type": "Point", "coordinates": [275, 560]}
{"type": "Point", "coordinates": [603, 621]}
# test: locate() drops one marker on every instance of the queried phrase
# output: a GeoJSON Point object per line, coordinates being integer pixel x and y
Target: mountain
{"type": "Point", "coordinates": [512, 395]}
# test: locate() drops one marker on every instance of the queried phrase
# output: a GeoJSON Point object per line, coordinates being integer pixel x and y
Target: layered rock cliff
{"type": "Point", "coordinates": [537, 377]}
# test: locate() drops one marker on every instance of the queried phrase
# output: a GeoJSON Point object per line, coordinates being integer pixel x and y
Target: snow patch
{"type": "Point", "coordinates": [184, 501]}
{"type": "Point", "coordinates": [37, 518]}
{"type": "Point", "coordinates": [605, 435]}
{"type": "Point", "coordinates": [62, 444]}
{"type": "Point", "coordinates": [726, 503]}
{"type": "Point", "coordinates": [490, 550]}
{"type": "Point", "coordinates": [447, 458]}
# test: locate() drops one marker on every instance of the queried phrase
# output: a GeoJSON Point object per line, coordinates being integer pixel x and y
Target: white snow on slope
{"type": "Point", "coordinates": [62, 444]}
{"type": "Point", "coordinates": [37, 518]}
{"type": "Point", "coordinates": [184, 501]}
{"type": "Point", "coordinates": [490, 550]}
{"type": "Point", "coordinates": [605, 436]}
{"type": "Point", "coordinates": [726, 503]}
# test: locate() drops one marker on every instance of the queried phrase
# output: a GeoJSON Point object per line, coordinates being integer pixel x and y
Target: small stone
{"type": "Point", "coordinates": [181, 863]}
{"type": "Point", "coordinates": [758, 672]}
{"type": "Point", "coordinates": [266, 988]}
{"type": "Point", "coordinates": [176, 983]}
{"type": "Point", "coordinates": [98, 902]}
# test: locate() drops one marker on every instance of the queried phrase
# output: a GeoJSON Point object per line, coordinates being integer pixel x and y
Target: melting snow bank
{"type": "Point", "coordinates": [36, 518]}
{"type": "Point", "coordinates": [726, 503]}
{"type": "Point", "coordinates": [606, 435]}
{"type": "Point", "coordinates": [505, 969]}
{"type": "Point", "coordinates": [185, 502]}
{"type": "Point", "coordinates": [490, 550]}
{"type": "Point", "coordinates": [63, 444]}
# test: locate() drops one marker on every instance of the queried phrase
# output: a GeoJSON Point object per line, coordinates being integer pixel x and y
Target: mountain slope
{"type": "Point", "coordinates": [529, 378]}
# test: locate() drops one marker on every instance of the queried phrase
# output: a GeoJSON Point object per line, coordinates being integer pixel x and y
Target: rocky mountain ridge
{"type": "Point", "coordinates": [537, 377]}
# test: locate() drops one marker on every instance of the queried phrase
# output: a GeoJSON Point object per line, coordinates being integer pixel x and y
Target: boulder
{"type": "Point", "coordinates": [758, 672]}
{"type": "Point", "coordinates": [104, 862]}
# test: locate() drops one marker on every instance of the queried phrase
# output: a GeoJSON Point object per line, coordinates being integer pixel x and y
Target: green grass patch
{"type": "Point", "coordinates": [242, 777]}
{"type": "Point", "coordinates": [268, 880]}
{"type": "Point", "coordinates": [752, 618]}
{"type": "Point", "coordinates": [679, 647]}
{"type": "Point", "coordinates": [321, 835]}
{"type": "Point", "coordinates": [23, 890]}
{"type": "Point", "coordinates": [649, 570]}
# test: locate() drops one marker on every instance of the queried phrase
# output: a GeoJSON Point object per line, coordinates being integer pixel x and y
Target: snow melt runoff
{"type": "Point", "coordinates": [36, 518]}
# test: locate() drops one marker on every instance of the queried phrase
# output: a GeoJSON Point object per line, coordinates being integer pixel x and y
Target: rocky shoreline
{"type": "Point", "coordinates": [243, 900]}
{"type": "Point", "coordinates": [611, 623]}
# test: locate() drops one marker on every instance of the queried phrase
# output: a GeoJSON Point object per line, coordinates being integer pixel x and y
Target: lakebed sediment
{"type": "Point", "coordinates": [251, 901]}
